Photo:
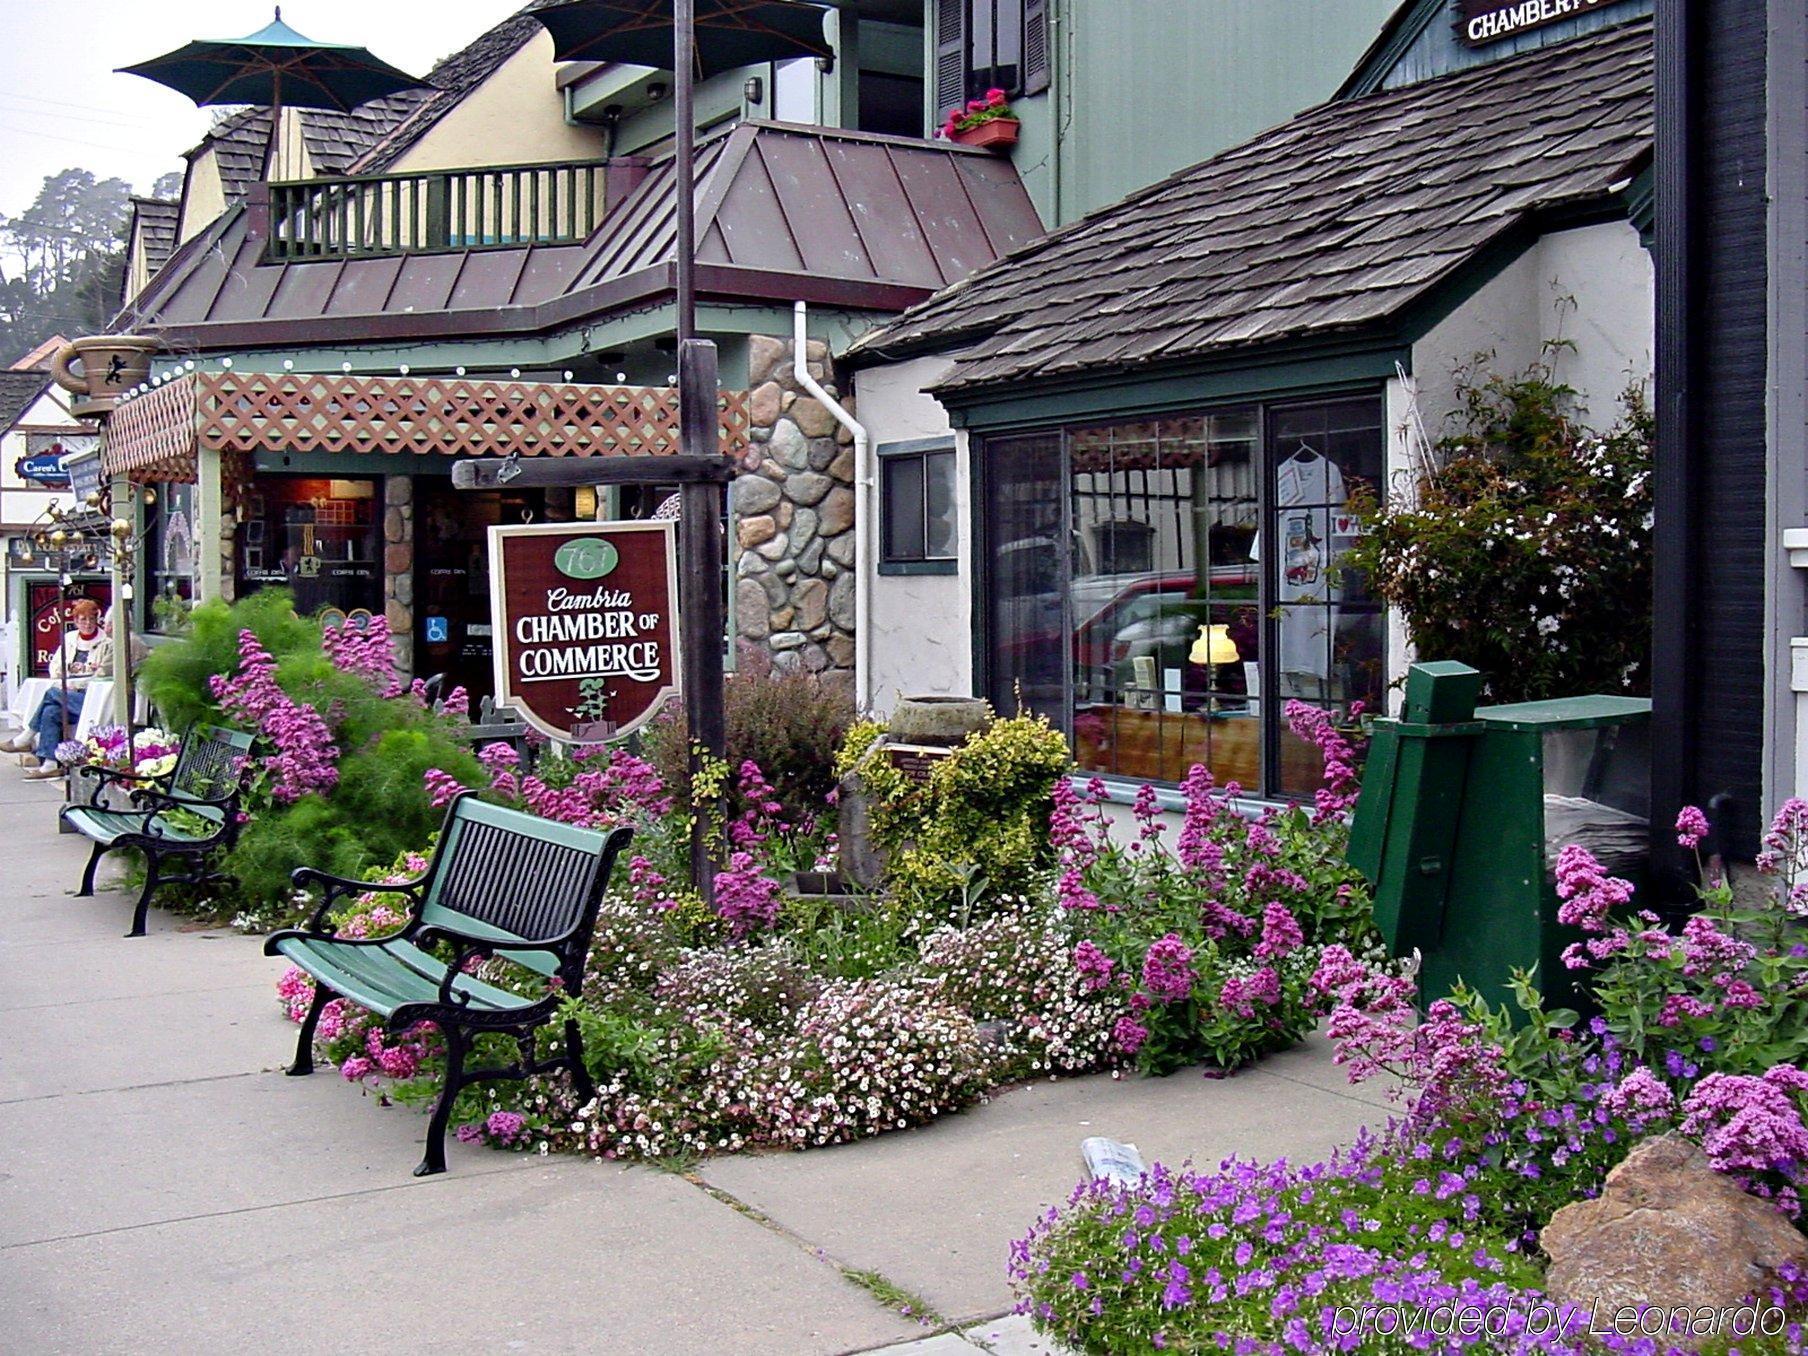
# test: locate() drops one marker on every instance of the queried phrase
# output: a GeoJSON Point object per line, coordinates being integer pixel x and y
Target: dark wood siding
{"type": "Point", "coordinates": [1711, 631]}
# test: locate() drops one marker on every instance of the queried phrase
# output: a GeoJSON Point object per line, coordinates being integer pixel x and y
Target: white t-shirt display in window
{"type": "Point", "coordinates": [1314, 530]}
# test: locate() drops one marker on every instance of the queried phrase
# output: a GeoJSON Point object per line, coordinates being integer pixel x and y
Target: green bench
{"type": "Point", "coordinates": [501, 883]}
{"type": "Point", "coordinates": [179, 819]}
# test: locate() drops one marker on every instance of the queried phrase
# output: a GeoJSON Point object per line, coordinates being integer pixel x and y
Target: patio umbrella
{"type": "Point", "coordinates": [277, 67]}
{"type": "Point", "coordinates": [693, 39]}
{"type": "Point", "coordinates": [729, 33]}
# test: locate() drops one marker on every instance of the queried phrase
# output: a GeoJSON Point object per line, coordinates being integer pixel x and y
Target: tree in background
{"type": "Point", "coordinates": [68, 252]}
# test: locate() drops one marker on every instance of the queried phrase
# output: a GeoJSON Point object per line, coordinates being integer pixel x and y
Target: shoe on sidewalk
{"type": "Point", "coordinates": [44, 771]}
{"type": "Point", "coordinates": [20, 743]}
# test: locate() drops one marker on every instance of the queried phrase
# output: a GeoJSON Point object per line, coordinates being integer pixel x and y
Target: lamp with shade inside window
{"type": "Point", "coordinates": [1213, 647]}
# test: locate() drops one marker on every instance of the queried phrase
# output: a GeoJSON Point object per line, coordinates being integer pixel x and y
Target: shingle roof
{"type": "Point", "coordinates": [1330, 224]}
{"type": "Point", "coordinates": [18, 391]}
{"type": "Point", "coordinates": [156, 219]}
{"type": "Point", "coordinates": [782, 211]}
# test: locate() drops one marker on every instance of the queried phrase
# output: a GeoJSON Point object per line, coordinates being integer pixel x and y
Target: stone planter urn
{"type": "Point", "coordinates": [101, 368]}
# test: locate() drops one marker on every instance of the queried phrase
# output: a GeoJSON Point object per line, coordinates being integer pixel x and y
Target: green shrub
{"type": "Point", "coordinates": [788, 721]}
{"type": "Point", "coordinates": [978, 829]}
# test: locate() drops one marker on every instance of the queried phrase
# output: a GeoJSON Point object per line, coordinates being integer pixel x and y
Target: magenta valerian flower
{"type": "Point", "coordinates": [1752, 1127]}
{"type": "Point", "coordinates": [1128, 1035]}
{"type": "Point", "coordinates": [1095, 967]}
{"type": "Point", "coordinates": [747, 900]}
{"type": "Point", "coordinates": [1691, 827]}
{"type": "Point", "coordinates": [1168, 970]}
{"type": "Point", "coordinates": [1281, 932]}
{"type": "Point", "coordinates": [305, 761]}
{"type": "Point", "coordinates": [1641, 1095]}
{"type": "Point", "coordinates": [1588, 893]}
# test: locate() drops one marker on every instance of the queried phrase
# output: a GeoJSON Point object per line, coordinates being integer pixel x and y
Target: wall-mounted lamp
{"type": "Point", "coordinates": [754, 91]}
{"type": "Point", "coordinates": [655, 90]}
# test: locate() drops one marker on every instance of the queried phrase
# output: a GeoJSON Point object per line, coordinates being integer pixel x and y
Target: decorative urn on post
{"type": "Point", "coordinates": [101, 368]}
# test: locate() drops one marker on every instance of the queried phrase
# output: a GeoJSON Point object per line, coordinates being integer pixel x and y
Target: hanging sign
{"type": "Point", "coordinates": [1480, 22]}
{"type": "Point", "coordinates": [586, 625]}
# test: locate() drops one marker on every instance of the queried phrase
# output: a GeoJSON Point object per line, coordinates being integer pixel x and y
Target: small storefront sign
{"type": "Point", "coordinates": [1480, 22]}
{"type": "Point", "coordinates": [916, 761]}
{"type": "Point", "coordinates": [586, 625]}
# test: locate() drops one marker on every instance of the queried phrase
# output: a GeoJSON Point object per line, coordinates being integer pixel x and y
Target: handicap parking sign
{"type": "Point", "coordinates": [439, 630]}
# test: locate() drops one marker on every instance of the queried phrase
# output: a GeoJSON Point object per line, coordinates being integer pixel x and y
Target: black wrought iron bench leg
{"type": "Point", "coordinates": [304, 1043]}
{"type": "Point", "coordinates": [100, 850]}
{"type": "Point", "coordinates": [457, 1044]}
{"type": "Point", "coordinates": [152, 880]}
{"type": "Point", "coordinates": [580, 1076]}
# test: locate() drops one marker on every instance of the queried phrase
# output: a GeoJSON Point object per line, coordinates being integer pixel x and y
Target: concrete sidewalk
{"type": "Point", "coordinates": [164, 1188]}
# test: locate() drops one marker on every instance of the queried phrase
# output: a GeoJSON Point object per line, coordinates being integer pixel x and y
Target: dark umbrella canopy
{"type": "Point", "coordinates": [276, 66]}
{"type": "Point", "coordinates": [730, 33]}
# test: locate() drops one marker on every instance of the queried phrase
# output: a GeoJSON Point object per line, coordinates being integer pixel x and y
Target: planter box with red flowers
{"type": "Point", "coordinates": [986, 122]}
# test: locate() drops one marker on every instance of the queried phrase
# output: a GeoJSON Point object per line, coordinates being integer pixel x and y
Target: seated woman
{"type": "Point", "coordinates": [86, 653]}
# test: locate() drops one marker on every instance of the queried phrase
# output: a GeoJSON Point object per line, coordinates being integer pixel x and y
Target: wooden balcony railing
{"type": "Point", "coordinates": [496, 207]}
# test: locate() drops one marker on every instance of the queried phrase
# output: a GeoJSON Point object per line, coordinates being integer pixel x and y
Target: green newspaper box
{"type": "Point", "coordinates": [1464, 810]}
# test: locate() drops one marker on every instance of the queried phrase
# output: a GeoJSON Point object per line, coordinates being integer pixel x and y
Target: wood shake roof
{"type": "Point", "coordinates": [1326, 226]}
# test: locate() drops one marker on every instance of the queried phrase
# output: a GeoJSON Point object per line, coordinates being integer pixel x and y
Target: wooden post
{"type": "Point", "coordinates": [684, 59]}
{"type": "Point", "coordinates": [700, 526]}
{"type": "Point", "coordinates": [210, 517]}
{"type": "Point", "coordinates": [120, 496]}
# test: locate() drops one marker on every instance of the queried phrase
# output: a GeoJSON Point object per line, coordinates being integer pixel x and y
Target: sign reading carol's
{"type": "Point", "coordinates": [1481, 22]}
{"type": "Point", "coordinates": [586, 625]}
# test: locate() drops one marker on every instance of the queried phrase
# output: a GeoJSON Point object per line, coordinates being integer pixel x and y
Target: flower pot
{"type": "Point", "coordinates": [103, 367]}
{"type": "Point", "coordinates": [998, 133]}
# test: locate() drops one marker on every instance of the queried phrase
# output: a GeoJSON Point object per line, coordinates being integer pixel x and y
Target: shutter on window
{"type": "Point", "coordinates": [1036, 56]}
{"type": "Point", "coordinates": [950, 58]}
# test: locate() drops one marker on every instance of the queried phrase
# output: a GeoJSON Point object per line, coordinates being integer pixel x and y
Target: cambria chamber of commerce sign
{"type": "Point", "coordinates": [1480, 22]}
{"type": "Point", "coordinates": [586, 625]}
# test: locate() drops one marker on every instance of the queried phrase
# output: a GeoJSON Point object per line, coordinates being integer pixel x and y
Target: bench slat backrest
{"type": "Point", "coordinates": [503, 875]}
{"type": "Point", "coordinates": [209, 765]}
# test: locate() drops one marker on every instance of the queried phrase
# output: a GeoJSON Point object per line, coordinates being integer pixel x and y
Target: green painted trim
{"type": "Point", "coordinates": [1641, 206]}
{"type": "Point", "coordinates": [1394, 42]}
{"type": "Point", "coordinates": [913, 567]}
{"type": "Point", "coordinates": [353, 465]}
{"type": "Point", "coordinates": [915, 447]}
{"type": "Point", "coordinates": [1115, 395]}
{"type": "Point", "coordinates": [492, 357]}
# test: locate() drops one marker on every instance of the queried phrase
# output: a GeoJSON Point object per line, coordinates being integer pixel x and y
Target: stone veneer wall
{"type": "Point", "coordinates": [398, 567]}
{"type": "Point", "coordinates": [794, 589]}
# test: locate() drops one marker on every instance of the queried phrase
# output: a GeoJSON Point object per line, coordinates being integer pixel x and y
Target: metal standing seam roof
{"type": "Point", "coordinates": [1329, 224]}
{"type": "Point", "coordinates": [861, 221]}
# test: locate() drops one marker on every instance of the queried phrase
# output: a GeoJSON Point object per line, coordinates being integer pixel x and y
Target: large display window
{"type": "Point", "coordinates": [1162, 587]}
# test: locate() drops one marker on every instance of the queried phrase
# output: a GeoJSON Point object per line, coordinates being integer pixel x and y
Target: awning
{"type": "Point", "coordinates": [159, 435]}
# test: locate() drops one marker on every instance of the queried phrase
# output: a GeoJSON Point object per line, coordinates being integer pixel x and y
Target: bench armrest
{"type": "Point", "coordinates": [102, 777]}
{"type": "Point", "coordinates": [471, 948]}
{"type": "Point", "coordinates": [338, 887]}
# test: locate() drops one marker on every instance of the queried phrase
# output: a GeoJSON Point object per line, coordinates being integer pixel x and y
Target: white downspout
{"type": "Point", "coordinates": [863, 632]}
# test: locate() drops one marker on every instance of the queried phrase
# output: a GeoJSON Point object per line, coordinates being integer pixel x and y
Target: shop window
{"type": "Point", "coordinates": [989, 44]}
{"type": "Point", "coordinates": [1163, 587]}
{"type": "Point", "coordinates": [316, 537]}
{"type": "Point", "coordinates": [170, 557]}
{"type": "Point", "coordinates": [918, 527]}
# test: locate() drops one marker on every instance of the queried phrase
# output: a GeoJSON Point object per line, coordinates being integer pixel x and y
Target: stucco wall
{"type": "Point", "coordinates": [1592, 286]}
{"type": "Point", "coordinates": [517, 116]}
{"type": "Point", "coordinates": [203, 196]}
{"type": "Point", "coordinates": [922, 639]}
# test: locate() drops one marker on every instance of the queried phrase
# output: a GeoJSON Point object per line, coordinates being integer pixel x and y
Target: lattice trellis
{"type": "Point", "coordinates": [152, 437]}
{"type": "Point", "coordinates": [448, 416]}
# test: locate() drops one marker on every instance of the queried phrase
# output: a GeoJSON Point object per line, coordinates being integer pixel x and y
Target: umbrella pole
{"type": "Point", "coordinates": [684, 34]}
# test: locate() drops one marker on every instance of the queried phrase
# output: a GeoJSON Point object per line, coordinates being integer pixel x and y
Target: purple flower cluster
{"type": "Point", "coordinates": [368, 651]}
{"type": "Point", "coordinates": [1168, 975]}
{"type": "Point", "coordinates": [746, 899]}
{"type": "Point", "coordinates": [306, 758]}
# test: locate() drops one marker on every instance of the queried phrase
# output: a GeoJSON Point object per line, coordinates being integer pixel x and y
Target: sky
{"type": "Point", "coordinates": [61, 105]}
